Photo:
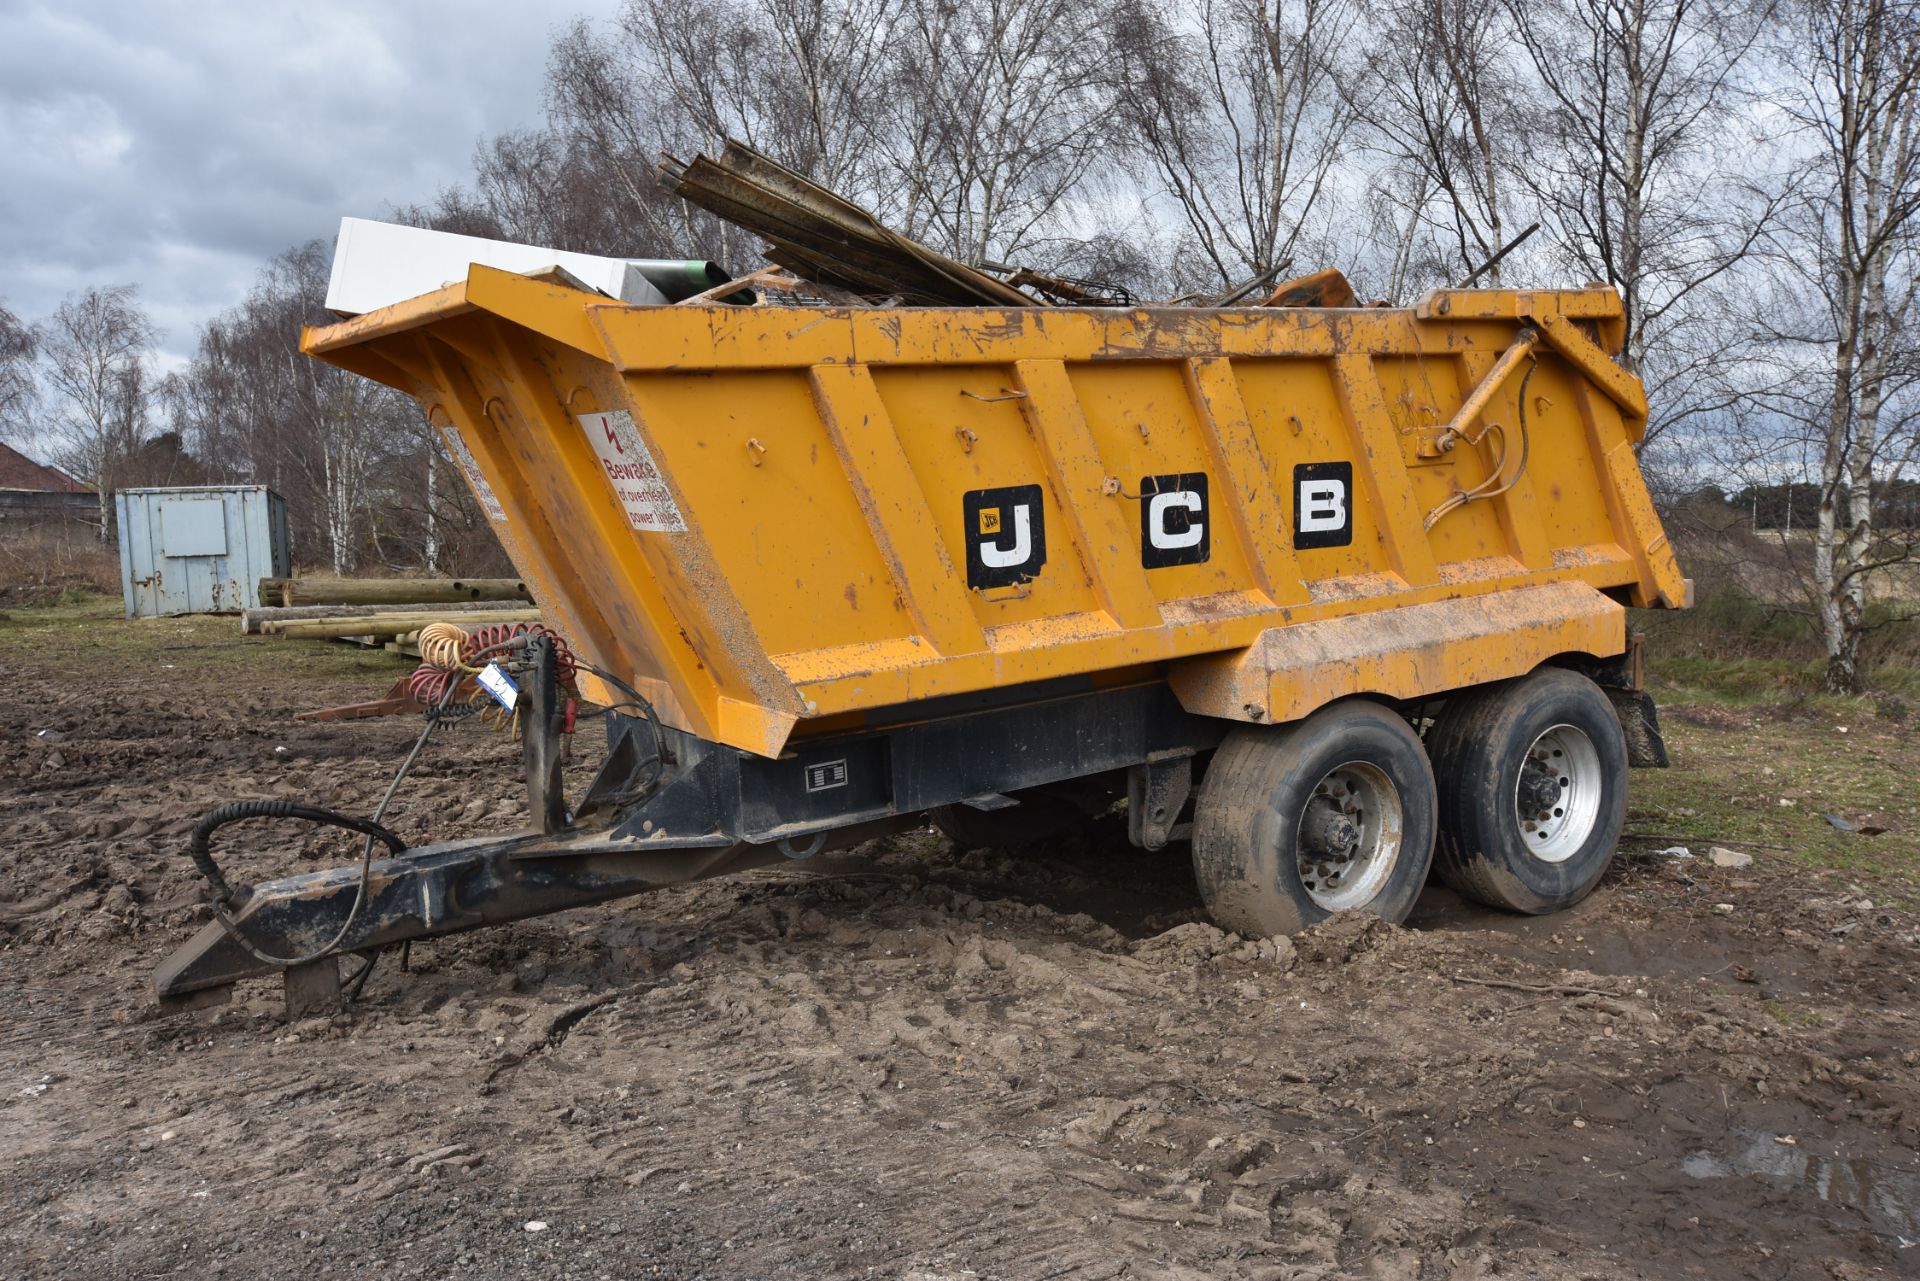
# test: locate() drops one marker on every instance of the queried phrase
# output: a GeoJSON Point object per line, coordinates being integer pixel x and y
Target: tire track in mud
{"type": "Point", "coordinates": [901, 1062]}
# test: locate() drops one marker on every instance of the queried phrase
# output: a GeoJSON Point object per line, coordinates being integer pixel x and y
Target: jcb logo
{"type": "Point", "coordinates": [1006, 528]}
{"type": "Point", "coordinates": [1006, 535]}
{"type": "Point", "coordinates": [1322, 504]}
{"type": "Point", "coordinates": [1175, 528]}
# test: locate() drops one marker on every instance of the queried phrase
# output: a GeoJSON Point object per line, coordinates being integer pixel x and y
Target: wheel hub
{"type": "Point", "coordinates": [1326, 832]}
{"type": "Point", "coordinates": [1349, 837]}
{"type": "Point", "coordinates": [1539, 789]}
{"type": "Point", "coordinates": [1557, 796]}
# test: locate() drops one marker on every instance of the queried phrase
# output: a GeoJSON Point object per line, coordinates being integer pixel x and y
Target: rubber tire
{"type": "Point", "coordinates": [1038, 817]}
{"type": "Point", "coordinates": [1478, 745]}
{"type": "Point", "coordinates": [1247, 819]}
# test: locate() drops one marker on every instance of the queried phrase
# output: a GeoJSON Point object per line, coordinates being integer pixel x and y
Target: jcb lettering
{"type": "Point", "coordinates": [1175, 528]}
{"type": "Point", "coordinates": [1323, 505]}
{"type": "Point", "coordinates": [1006, 532]}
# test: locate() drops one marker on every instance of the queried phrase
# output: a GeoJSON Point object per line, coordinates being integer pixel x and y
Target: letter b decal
{"type": "Point", "coordinates": [1322, 505]}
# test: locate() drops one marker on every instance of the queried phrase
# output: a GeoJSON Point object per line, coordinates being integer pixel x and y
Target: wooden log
{"type": "Point", "coordinates": [325, 628]}
{"type": "Point", "coordinates": [253, 621]}
{"type": "Point", "coordinates": [391, 624]}
{"type": "Point", "coordinates": [390, 591]}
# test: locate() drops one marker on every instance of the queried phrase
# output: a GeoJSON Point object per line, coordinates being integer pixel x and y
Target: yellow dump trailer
{"type": "Point", "coordinates": [1322, 590]}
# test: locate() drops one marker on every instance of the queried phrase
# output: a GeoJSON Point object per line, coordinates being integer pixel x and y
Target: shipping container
{"type": "Point", "coordinates": [199, 549]}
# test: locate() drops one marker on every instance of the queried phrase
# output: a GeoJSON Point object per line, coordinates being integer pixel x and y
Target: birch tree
{"type": "Point", "coordinates": [666, 80]}
{"type": "Point", "coordinates": [997, 112]}
{"type": "Point", "coordinates": [1241, 112]}
{"type": "Point", "coordinates": [17, 389]}
{"type": "Point", "coordinates": [1446, 118]}
{"type": "Point", "coordinates": [1637, 166]}
{"type": "Point", "coordinates": [95, 351]}
{"type": "Point", "coordinates": [799, 80]}
{"type": "Point", "coordinates": [1860, 103]}
{"type": "Point", "coordinates": [335, 444]}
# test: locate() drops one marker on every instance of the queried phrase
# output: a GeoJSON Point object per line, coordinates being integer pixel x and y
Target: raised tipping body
{"type": "Point", "coordinates": [776, 519]}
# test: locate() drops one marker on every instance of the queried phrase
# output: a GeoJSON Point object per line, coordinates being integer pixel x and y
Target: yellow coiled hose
{"type": "Point", "coordinates": [444, 645]}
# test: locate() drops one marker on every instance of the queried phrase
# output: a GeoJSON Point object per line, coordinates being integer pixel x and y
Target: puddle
{"type": "Point", "coordinates": [1888, 1198]}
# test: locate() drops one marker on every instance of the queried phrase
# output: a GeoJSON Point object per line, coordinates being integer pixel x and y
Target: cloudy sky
{"type": "Point", "coordinates": [179, 145]}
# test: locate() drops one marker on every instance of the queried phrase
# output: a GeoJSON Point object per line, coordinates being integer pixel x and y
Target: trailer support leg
{"type": "Point", "coordinates": [540, 740]}
{"type": "Point", "coordinates": [313, 989]}
{"type": "Point", "coordinates": [1156, 793]}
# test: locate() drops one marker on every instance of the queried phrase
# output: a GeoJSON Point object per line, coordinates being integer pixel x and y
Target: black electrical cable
{"type": "Point", "coordinates": [199, 847]}
{"type": "Point", "coordinates": [199, 843]}
{"type": "Point", "coordinates": [639, 699]}
{"type": "Point", "coordinates": [602, 712]}
{"type": "Point", "coordinates": [661, 757]}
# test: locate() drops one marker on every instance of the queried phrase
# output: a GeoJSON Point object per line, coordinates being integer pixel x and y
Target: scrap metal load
{"type": "Point", "coordinates": [836, 568]}
{"type": "Point", "coordinates": [824, 238]}
{"type": "Point", "coordinates": [829, 241]}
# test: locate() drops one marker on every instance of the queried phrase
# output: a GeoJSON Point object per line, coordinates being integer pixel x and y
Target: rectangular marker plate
{"type": "Point", "coordinates": [826, 775]}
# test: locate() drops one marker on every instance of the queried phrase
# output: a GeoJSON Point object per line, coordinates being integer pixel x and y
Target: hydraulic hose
{"type": "Point", "coordinates": [199, 844]}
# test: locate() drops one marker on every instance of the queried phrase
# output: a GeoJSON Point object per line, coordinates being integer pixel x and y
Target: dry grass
{"type": "Point", "coordinates": [42, 564]}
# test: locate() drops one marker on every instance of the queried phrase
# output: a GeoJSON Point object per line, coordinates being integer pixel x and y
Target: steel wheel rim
{"type": "Point", "coordinates": [1557, 794]}
{"type": "Point", "coordinates": [1349, 837]}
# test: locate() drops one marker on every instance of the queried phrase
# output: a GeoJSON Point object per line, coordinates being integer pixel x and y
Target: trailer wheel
{"type": "Point", "coordinates": [1533, 789]}
{"type": "Point", "coordinates": [1333, 814]}
{"type": "Point", "coordinates": [1038, 817]}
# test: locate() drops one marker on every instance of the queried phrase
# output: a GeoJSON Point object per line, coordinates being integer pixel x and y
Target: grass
{"type": "Point", "coordinates": [1731, 625]}
{"type": "Point", "coordinates": [1749, 726]}
{"type": "Point", "coordinates": [1761, 751]}
{"type": "Point", "coordinates": [1785, 1016]}
{"type": "Point", "coordinates": [1759, 755]}
{"type": "Point", "coordinates": [1749, 681]}
{"type": "Point", "coordinates": [80, 632]}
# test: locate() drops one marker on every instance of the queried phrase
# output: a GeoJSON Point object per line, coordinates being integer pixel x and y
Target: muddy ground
{"type": "Point", "coordinates": [906, 1062]}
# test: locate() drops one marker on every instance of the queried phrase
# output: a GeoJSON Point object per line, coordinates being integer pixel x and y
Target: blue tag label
{"type": "Point", "coordinates": [496, 682]}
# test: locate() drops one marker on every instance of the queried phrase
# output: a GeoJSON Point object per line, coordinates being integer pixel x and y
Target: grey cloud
{"type": "Point", "coordinates": [179, 145]}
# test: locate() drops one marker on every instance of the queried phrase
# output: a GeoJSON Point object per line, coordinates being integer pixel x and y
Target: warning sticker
{"type": "Point", "coordinates": [463, 458]}
{"type": "Point", "coordinates": [630, 469]}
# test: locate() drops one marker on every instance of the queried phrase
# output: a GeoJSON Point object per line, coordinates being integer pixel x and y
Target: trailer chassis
{"type": "Point", "coordinates": [666, 807]}
{"type": "Point", "coordinates": [684, 809]}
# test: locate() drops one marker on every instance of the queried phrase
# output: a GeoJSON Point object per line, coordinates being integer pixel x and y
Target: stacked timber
{"type": "Point", "coordinates": [391, 591]}
{"type": "Point", "coordinates": [387, 612]}
{"type": "Point", "coordinates": [255, 622]}
{"type": "Point", "coordinates": [392, 624]}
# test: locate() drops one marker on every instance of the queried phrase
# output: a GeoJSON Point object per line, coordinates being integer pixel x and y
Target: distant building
{"type": "Point", "coordinates": [33, 494]}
